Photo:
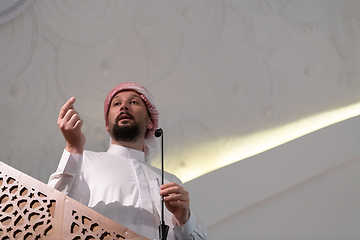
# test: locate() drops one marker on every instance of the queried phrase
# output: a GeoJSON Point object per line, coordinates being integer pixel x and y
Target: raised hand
{"type": "Point", "coordinates": [70, 125]}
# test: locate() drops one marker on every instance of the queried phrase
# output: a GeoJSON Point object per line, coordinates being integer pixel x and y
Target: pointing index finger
{"type": "Point", "coordinates": [68, 105]}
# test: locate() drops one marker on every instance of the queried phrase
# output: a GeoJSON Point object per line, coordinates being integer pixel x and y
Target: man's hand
{"type": "Point", "coordinates": [177, 201]}
{"type": "Point", "coordinates": [70, 125]}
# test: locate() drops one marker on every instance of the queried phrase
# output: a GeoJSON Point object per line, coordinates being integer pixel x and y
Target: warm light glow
{"type": "Point", "coordinates": [247, 146]}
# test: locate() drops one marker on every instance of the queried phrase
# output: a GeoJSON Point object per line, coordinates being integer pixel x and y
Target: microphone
{"type": "Point", "coordinates": [158, 133]}
{"type": "Point", "coordinates": [163, 228]}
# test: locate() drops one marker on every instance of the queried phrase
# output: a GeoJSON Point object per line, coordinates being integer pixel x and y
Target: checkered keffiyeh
{"type": "Point", "coordinates": [145, 95]}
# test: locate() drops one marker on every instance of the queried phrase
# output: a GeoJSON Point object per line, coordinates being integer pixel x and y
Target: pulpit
{"type": "Point", "coordinates": [29, 209]}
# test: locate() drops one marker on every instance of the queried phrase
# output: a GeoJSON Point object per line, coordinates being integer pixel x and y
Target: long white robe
{"type": "Point", "coordinates": [122, 186]}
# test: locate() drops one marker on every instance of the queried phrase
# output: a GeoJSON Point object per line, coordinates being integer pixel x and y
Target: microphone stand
{"type": "Point", "coordinates": [163, 228]}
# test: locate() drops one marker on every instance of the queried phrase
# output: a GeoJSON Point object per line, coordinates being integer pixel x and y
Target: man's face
{"type": "Point", "coordinates": [128, 118]}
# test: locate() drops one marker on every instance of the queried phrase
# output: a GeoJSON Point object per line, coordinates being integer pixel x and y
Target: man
{"type": "Point", "coordinates": [120, 183]}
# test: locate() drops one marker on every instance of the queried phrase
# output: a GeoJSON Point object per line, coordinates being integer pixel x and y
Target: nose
{"type": "Point", "coordinates": [124, 106]}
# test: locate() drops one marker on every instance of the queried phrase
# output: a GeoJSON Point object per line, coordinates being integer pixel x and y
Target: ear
{"type": "Point", "coordinates": [150, 124]}
{"type": "Point", "coordinates": [107, 128]}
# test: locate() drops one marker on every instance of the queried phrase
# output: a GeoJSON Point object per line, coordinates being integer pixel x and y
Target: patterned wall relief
{"type": "Point", "coordinates": [344, 35]}
{"type": "Point", "coordinates": [82, 22]}
{"type": "Point", "coordinates": [11, 9]}
{"type": "Point", "coordinates": [219, 70]}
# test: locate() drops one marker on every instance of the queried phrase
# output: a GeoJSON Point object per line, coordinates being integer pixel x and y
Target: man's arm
{"type": "Point", "coordinates": [66, 177]}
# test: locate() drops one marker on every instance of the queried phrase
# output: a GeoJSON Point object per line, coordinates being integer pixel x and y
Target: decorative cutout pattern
{"type": "Point", "coordinates": [25, 213]}
{"type": "Point", "coordinates": [84, 228]}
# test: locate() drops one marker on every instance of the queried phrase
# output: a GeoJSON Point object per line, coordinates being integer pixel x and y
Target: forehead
{"type": "Point", "coordinates": [126, 94]}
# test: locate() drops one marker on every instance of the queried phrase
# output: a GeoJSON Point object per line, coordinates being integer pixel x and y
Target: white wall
{"type": "Point", "coordinates": [221, 72]}
{"type": "Point", "coordinates": [304, 189]}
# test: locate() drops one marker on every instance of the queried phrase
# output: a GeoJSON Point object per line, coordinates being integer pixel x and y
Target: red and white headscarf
{"type": "Point", "coordinates": [149, 102]}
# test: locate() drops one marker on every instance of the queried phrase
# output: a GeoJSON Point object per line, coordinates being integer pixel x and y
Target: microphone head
{"type": "Point", "coordinates": [158, 132]}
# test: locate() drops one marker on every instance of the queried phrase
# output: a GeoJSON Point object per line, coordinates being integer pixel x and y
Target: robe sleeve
{"type": "Point", "coordinates": [191, 230]}
{"type": "Point", "coordinates": [67, 178]}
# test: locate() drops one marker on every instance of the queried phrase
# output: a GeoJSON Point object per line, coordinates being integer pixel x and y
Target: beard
{"type": "Point", "coordinates": [128, 133]}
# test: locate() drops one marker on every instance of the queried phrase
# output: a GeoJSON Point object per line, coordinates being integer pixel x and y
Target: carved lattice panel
{"type": "Point", "coordinates": [31, 210]}
{"type": "Point", "coordinates": [85, 224]}
{"type": "Point", "coordinates": [25, 213]}
{"type": "Point", "coordinates": [83, 227]}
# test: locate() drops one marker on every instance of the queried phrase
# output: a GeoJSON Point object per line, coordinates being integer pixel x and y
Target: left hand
{"type": "Point", "coordinates": [177, 201]}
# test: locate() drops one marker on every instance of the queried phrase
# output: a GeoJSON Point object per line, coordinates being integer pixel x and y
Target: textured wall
{"type": "Point", "coordinates": [218, 70]}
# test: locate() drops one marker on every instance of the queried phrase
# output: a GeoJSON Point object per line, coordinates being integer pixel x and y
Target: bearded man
{"type": "Point", "coordinates": [120, 183]}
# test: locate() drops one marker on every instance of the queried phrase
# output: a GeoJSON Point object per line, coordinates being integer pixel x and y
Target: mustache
{"type": "Point", "coordinates": [117, 119]}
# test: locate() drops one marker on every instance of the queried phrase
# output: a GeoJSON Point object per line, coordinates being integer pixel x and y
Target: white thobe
{"type": "Point", "coordinates": [122, 186]}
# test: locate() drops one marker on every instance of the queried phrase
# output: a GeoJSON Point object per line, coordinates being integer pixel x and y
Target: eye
{"type": "Point", "coordinates": [116, 103]}
{"type": "Point", "coordinates": [134, 102]}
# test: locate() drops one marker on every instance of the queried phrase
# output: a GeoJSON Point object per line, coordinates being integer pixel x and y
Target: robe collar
{"type": "Point", "coordinates": [127, 153]}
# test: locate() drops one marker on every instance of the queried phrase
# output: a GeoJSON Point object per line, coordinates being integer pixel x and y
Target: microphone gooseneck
{"type": "Point", "coordinates": [163, 228]}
